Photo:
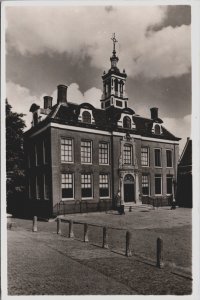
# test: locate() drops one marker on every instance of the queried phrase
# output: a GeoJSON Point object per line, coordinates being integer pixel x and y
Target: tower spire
{"type": "Point", "coordinates": [114, 59]}
{"type": "Point", "coordinates": [114, 42]}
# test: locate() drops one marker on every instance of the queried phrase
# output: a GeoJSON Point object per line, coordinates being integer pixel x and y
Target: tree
{"type": "Point", "coordinates": [15, 170]}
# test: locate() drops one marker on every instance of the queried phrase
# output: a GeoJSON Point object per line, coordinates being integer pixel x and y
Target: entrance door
{"type": "Point", "coordinates": [129, 190]}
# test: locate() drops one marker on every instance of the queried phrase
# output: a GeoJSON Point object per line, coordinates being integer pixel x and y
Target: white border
{"type": "Point", "coordinates": [195, 133]}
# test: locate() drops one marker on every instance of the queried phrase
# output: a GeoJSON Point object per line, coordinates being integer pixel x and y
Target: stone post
{"type": "Point", "coordinates": [160, 263]}
{"type": "Point", "coordinates": [71, 233]}
{"type": "Point", "coordinates": [86, 239]}
{"type": "Point", "coordinates": [58, 226]}
{"type": "Point", "coordinates": [34, 224]}
{"type": "Point", "coordinates": [128, 244]}
{"type": "Point", "coordinates": [105, 238]}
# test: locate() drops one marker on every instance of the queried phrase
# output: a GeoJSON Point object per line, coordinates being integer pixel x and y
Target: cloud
{"type": "Point", "coordinates": [20, 98]}
{"type": "Point", "coordinates": [180, 127]}
{"type": "Point", "coordinates": [83, 31]}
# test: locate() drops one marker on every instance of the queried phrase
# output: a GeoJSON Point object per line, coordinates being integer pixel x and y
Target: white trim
{"type": "Point", "coordinates": [64, 161]}
{"type": "Point", "coordinates": [96, 131]}
{"type": "Point", "coordinates": [73, 185]}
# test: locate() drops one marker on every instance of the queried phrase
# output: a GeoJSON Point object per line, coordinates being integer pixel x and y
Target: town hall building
{"type": "Point", "coordinates": [80, 158]}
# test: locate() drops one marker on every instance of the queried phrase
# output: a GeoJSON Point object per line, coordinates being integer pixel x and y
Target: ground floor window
{"type": "Point", "coordinates": [46, 187]}
{"type": "Point", "coordinates": [158, 184]}
{"type": "Point", "coordinates": [67, 186]}
{"type": "Point", "coordinates": [103, 185]}
{"type": "Point", "coordinates": [38, 188]}
{"type": "Point", "coordinates": [145, 185]}
{"type": "Point", "coordinates": [169, 184]}
{"type": "Point", "coordinates": [86, 185]}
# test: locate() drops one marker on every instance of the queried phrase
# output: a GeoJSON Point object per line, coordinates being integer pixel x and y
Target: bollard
{"type": "Point", "coordinates": [71, 233]}
{"type": "Point", "coordinates": [86, 239]}
{"type": "Point", "coordinates": [35, 224]}
{"type": "Point", "coordinates": [160, 263]}
{"type": "Point", "coordinates": [128, 244]}
{"type": "Point", "coordinates": [130, 208]}
{"type": "Point", "coordinates": [58, 226]}
{"type": "Point", "coordinates": [105, 238]}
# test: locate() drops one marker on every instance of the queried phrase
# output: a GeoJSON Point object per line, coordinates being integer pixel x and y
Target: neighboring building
{"type": "Point", "coordinates": [184, 179]}
{"type": "Point", "coordinates": [80, 158]}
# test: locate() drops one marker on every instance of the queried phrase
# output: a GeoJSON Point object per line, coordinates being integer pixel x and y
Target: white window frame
{"type": "Point", "coordinates": [72, 154]}
{"type": "Point", "coordinates": [161, 183]}
{"type": "Point", "coordinates": [148, 162]}
{"type": "Point", "coordinates": [105, 197]}
{"type": "Point", "coordinates": [91, 151]}
{"type": "Point", "coordinates": [73, 187]}
{"type": "Point", "coordinates": [92, 188]}
{"type": "Point", "coordinates": [171, 158]}
{"type": "Point", "coordinates": [108, 144]}
{"type": "Point", "coordinates": [160, 158]}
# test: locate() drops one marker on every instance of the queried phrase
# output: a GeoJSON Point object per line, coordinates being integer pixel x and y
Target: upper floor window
{"type": "Point", "coordinates": [86, 152]}
{"type": "Point", "coordinates": [103, 185]}
{"type": "Point", "coordinates": [45, 151]}
{"type": "Point", "coordinates": [157, 157]}
{"type": "Point", "coordinates": [86, 117]}
{"type": "Point", "coordinates": [145, 184]}
{"type": "Point", "coordinates": [157, 129]}
{"type": "Point", "coordinates": [169, 158]}
{"type": "Point", "coordinates": [127, 154]}
{"type": "Point", "coordinates": [103, 153]}
{"type": "Point", "coordinates": [86, 186]}
{"type": "Point", "coordinates": [145, 156]}
{"type": "Point", "coordinates": [66, 150]}
{"type": "Point", "coordinates": [127, 122]}
{"type": "Point", "coordinates": [67, 186]}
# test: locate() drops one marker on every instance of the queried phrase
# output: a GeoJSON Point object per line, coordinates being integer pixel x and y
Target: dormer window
{"type": "Point", "coordinates": [86, 117]}
{"type": "Point", "coordinates": [157, 129]}
{"type": "Point", "coordinates": [127, 122]}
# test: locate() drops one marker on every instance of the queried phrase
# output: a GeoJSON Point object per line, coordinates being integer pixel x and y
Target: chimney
{"type": "Point", "coordinates": [62, 94]}
{"type": "Point", "coordinates": [48, 102]}
{"type": "Point", "coordinates": [154, 113]}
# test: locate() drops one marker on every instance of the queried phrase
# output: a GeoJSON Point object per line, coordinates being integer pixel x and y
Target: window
{"type": "Point", "coordinates": [158, 184]}
{"type": "Point", "coordinates": [38, 187]}
{"type": "Point", "coordinates": [169, 184]}
{"type": "Point", "coordinates": [145, 185]}
{"type": "Point", "coordinates": [67, 186]}
{"type": "Point", "coordinates": [119, 103]}
{"type": "Point", "coordinates": [86, 117]}
{"type": "Point", "coordinates": [103, 185]}
{"type": "Point", "coordinates": [66, 150]}
{"type": "Point", "coordinates": [145, 156]}
{"type": "Point", "coordinates": [45, 152]}
{"type": "Point", "coordinates": [127, 155]}
{"type": "Point", "coordinates": [36, 156]}
{"type": "Point", "coordinates": [86, 185]}
{"type": "Point", "coordinates": [104, 153]}
{"type": "Point", "coordinates": [169, 158]}
{"type": "Point", "coordinates": [157, 129]}
{"type": "Point", "coordinates": [127, 122]}
{"type": "Point", "coordinates": [157, 153]}
{"type": "Point", "coordinates": [46, 187]}
{"type": "Point", "coordinates": [86, 152]}
{"type": "Point", "coordinates": [39, 151]}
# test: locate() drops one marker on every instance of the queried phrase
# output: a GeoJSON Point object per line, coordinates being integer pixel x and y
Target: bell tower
{"type": "Point", "coordinates": [114, 84]}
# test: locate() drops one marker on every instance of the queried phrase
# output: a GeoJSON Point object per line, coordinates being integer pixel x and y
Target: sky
{"type": "Point", "coordinates": [47, 46]}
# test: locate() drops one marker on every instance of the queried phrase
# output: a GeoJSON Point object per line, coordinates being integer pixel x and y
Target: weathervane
{"type": "Point", "coordinates": [114, 41]}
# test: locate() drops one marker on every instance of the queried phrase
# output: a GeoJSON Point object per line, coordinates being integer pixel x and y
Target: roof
{"type": "Point", "coordinates": [106, 120]}
{"type": "Point", "coordinates": [186, 156]}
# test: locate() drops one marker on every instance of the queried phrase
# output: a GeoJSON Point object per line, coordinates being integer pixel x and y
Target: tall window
{"type": "Point", "coordinates": [86, 185]}
{"type": "Point", "coordinates": [157, 154]}
{"type": "Point", "coordinates": [66, 150]}
{"type": "Point", "coordinates": [38, 188]}
{"type": "Point", "coordinates": [46, 187]}
{"type": "Point", "coordinates": [67, 186]}
{"type": "Point", "coordinates": [145, 156]}
{"type": "Point", "coordinates": [169, 184]}
{"type": "Point", "coordinates": [158, 184]}
{"type": "Point", "coordinates": [103, 185]}
{"type": "Point", "coordinates": [157, 129]}
{"type": "Point", "coordinates": [127, 122]}
{"type": "Point", "coordinates": [45, 151]}
{"type": "Point", "coordinates": [86, 117]}
{"type": "Point", "coordinates": [145, 185]}
{"type": "Point", "coordinates": [104, 153]}
{"type": "Point", "coordinates": [86, 151]}
{"type": "Point", "coordinates": [36, 155]}
{"type": "Point", "coordinates": [169, 158]}
{"type": "Point", "coordinates": [127, 154]}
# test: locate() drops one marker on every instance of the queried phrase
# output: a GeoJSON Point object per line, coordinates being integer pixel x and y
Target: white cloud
{"type": "Point", "coordinates": [180, 127]}
{"type": "Point", "coordinates": [86, 31]}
